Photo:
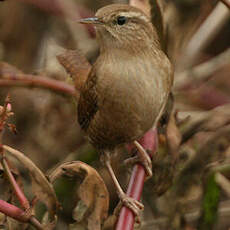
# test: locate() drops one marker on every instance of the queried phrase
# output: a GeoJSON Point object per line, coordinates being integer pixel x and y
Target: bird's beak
{"type": "Point", "coordinates": [94, 21]}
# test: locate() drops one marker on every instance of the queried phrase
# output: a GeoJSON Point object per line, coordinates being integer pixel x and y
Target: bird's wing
{"type": "Point", "coordinates": [87, 106]}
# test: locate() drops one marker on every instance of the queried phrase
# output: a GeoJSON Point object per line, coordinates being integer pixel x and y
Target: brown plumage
{"type": "Point", "coordinates": [128, 86]}
{"type": "Point", "coordinates": [130, 82]}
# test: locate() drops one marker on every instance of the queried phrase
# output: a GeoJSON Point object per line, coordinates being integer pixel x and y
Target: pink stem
{"type": "Point", "coordinates": [17, 190]}
{"type": "Point", "coordinates": [38, 81]}
{"type": "Point", "coordinates": [136, 183]}
{"type": "Point", "coordinates": [13, 211]}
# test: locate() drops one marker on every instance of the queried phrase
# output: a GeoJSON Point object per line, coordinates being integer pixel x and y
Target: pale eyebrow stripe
{"type": "Point", "coordinates": [135, 14]}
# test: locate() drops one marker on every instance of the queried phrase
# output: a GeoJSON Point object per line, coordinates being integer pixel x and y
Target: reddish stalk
{"type": "Point", "coordinates": [26, 80]}
{"type": "Point", "coordinates": [18, 214]}
{"type": "Point", "coordinates": [126, 218]}
{"type": "Point", "coordinates": [17, 190]}
{"type": "Point", "coordinates": [13, 211]}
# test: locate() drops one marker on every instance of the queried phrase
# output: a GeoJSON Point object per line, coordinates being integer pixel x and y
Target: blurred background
{"type": "Point", "coordinates": [33, 33]}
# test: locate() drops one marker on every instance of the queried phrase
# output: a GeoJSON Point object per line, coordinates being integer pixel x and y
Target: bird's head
{"type": "Point", "coordinates": [122, 26]}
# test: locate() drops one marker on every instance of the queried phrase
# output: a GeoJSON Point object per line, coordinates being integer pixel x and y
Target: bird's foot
{"type": "Point", "coordinates": [142, 158]}
{"type": "Point", "coordinates": [134, 205]}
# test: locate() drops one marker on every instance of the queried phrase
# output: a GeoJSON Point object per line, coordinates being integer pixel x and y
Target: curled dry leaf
{"type": "Point", "coordinates": [93, 194]}
{"type": "Point", "coordinates": [76, 65]}
{"type": "Point", "coordinates": [41, 187]}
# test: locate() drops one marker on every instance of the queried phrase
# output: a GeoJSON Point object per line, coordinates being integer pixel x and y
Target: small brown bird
{"type": "Point", "coordinates": [128, 86]}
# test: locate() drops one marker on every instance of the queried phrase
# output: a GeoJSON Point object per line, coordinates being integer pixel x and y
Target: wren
{"type": "Point", "coordinates": [128, 86]}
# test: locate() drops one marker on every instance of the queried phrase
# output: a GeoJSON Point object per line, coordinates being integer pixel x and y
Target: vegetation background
{"type": "Point", "coordinates": [190, 188]}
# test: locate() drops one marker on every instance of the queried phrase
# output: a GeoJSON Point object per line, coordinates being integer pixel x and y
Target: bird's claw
{"type": "Point", "coordinates": [147, 163]}
{"type": "Point", "coordinates": [142, 158]}
{"type": "Point", "coordinates": [134, 205]}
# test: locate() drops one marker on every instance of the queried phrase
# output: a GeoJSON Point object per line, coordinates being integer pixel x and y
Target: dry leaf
{"type": "Point", "coordinates": [76, 65]}
{"type": "Point", "coordinates": [41, 187]}
{"type": "Point", "coordinates": [94, 197]}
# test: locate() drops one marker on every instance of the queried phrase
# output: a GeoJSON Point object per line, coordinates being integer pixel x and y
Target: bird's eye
{"type": "Point", "coordinates": [121, 20]}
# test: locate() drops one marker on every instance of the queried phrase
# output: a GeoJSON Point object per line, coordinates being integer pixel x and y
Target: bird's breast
{"type": "Point", "coordinates": [130, 95]}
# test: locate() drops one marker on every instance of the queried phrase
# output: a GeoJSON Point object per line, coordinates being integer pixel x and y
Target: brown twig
{"type": "Point", "coordinates": [223, 182]}
{"type": "Point", "coordinates": [205, 34]}
{"type": "Point", "coordinates": [226, 3]}
{"type": "Point", "coordinates": [33, 221]}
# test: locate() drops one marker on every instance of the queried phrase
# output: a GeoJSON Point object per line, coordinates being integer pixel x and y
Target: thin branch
{"type": "Point", "coordinates": [33, 221]}
{"type": "Point", "coordinates": [13, 211]}
{"type": "Point", "coordinates": [205, 34]}
{"type": "Point", "coordinates": [223, 182]}
{"type": "Point", "coordinates": [226, 3]}
{"type": "Point", "coordinates": [19, 215]}
{"type": "Point", "coordinates": [27, 80]}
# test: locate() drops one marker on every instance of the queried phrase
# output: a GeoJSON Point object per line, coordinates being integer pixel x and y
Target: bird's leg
{"type": "Point", "coordinates": [143, 158]}
{"type": "Point", "coordinates": [134, 205]}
